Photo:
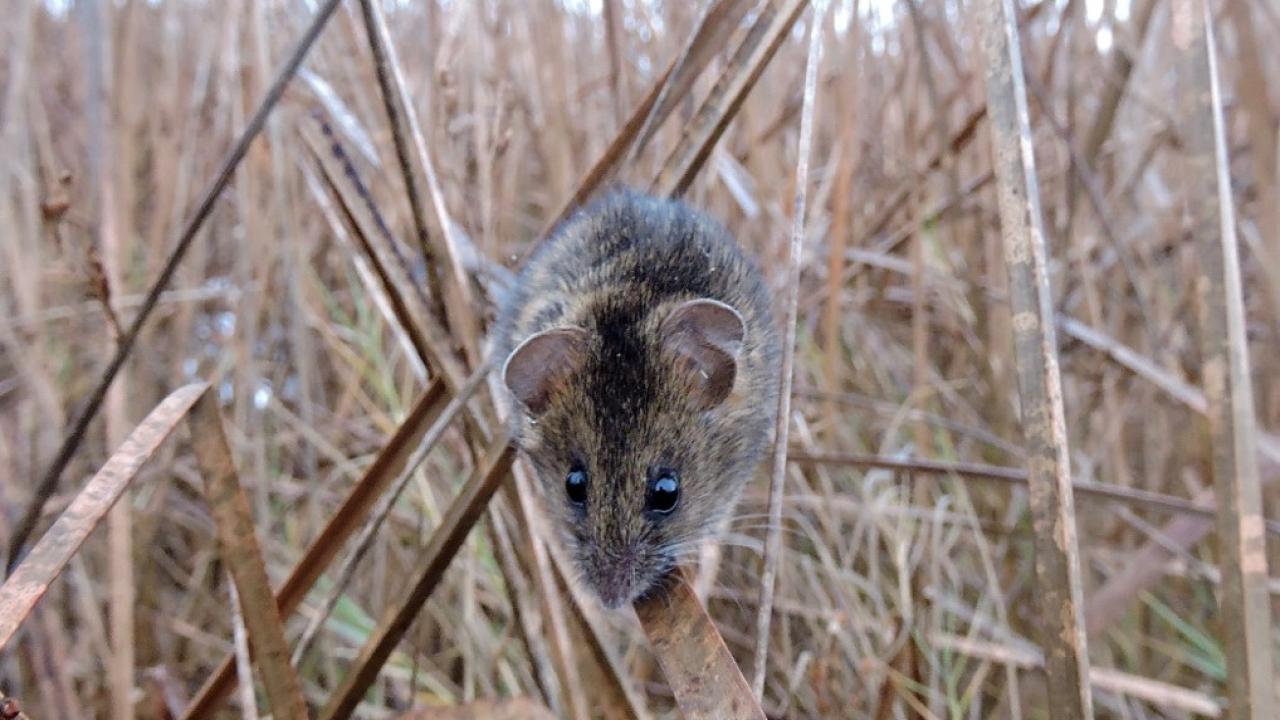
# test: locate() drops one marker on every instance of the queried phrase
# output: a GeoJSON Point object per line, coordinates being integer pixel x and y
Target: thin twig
{"type": "Point", "coordinates": [773, 542]}
{"type": "Point", "coordinates": [913, 467]}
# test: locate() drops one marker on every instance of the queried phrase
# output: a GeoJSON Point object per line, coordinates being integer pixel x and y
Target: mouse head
{"type": "Point", "coordinates": [634, 430]}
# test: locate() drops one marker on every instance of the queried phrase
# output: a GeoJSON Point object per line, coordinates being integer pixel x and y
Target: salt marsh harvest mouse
{"type": "Point", "coordinates": [639, 347]}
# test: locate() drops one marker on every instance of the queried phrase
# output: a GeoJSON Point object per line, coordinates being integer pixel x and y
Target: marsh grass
{"type": "Point", "coordinates": [308, 303]}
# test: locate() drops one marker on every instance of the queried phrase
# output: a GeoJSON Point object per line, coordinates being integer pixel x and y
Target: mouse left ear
{"type": "Point", "coordinates": [705, 338]}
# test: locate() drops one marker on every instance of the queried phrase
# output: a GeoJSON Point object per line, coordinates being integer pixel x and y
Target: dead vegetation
{"type": "Point", "coordinates": [328, 265]}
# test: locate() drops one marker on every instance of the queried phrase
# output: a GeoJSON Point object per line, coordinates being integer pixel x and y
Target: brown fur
{"type": "Point", "coordinates": [623, 409]}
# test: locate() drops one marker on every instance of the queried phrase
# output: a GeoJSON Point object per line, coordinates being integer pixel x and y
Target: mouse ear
{"type": "Point", "coordinates": [705, 338]}
{"type": "Point", "coordinates": [537, 367]}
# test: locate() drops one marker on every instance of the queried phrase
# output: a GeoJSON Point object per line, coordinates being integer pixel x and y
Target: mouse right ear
{"type": "Point", "coordinates": [540, 364]}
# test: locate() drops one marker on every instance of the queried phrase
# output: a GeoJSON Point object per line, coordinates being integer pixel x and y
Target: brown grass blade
{"type": "Point", "coordinates": [726, 97]}
{"type": "Point", "coordinates": [238, 545]}
{"type": "Point", "coordinates": [344, 522]}
{"type": "Point", "coordinates": [521, 495]}
{"type": "Point", "coordinates": [669, 89]}
{"type": "Point", "coordinates": [1113, 90]}
{"type": "Point", "coordinates": [717, 24]}
{"type": "Point", "coordinates": [1057, 563]}
{"type": "Point", "coordinates": [49, 482]}
{"type": "Point", "coordinates": [31, 578]}
{"type": "Point", "coordinates": [1108, 602]}
{"type": "Point", "coordinates": [379, 248]}
{"type": "Point", "coordinates": [106, 256]}
{"type": "Point", "coordinates": [506, 709]}
{"type": "Point", "coordinates": [1268, 444]}
{"type": "Point", "coordinates": [463, 513]}
{"type": "Point", "coordinates": [421, 449]}
{"type": "Point", "coordinates": [706, 681]}
{"type": "Point", "coordinates": [608, 162]}
{"type": "Point", "coordinates": [1245, 605]}
{"type": "Point", "coordinates": [1155, 692]}
{"type": "Point", "coordinates": [453, 301]}
{"type": "Point", "coordinates": [777, 480]}
{"type": "Point", "coordinates": [1135, 497]}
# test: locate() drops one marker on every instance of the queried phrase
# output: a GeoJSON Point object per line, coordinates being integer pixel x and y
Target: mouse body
{"type": "Point", "coordinates": [640, 352]}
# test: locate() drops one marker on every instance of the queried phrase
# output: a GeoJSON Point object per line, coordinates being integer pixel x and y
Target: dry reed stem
{"type": "Point", "coordinates": [400, 113]}
{"type": "Point", "coordinates": [30, 580]}
{"type": "Point", "coordinates": [1059, 594]}
{"type": "Point", "coordinates": [1258, 101]}
{"type": "Point", "coordinates": [238, 545]}
{"type": "Point", "coordinates": [524, 610]}
{"type": "Point", "coordinates": [380, 250]}
{"type": "Point", "coordinates": [1122, 64]}
{"type": "Point", "coordinates": [726, 97]}
{"type": "Point", "coordinates": [434, 560]}
{"type": "Point", "coordinates": [715, 27]}
{"type": "Point", "coordinates": [563, 653]}
{"type": "Point", "coordinates": [105, 263]}
{"type": "Point", "coordinates": [778, 476]}
{"type": "Point", "coordinates": [671, 87]}
{"type": "Point", "coordinates": [706, 681]}
{"type": "Point", "coordinates": [1245, 606]}
{"type": "Point", "coordinates": [364, 540]}
{"type": "Point", "coordinates": [49, 481]}
{"type": "Point", "coordinates": [1104, 679]}
{"type": "Point", "coordinates": [344, 522]}
{"type": "Point", "coordinates": [338, 222]}
{"type": "Point", "coordinates": [1136, 497]}
{"type": "Point", "coordinates": [396, 106]}
{"type": "Point", "coordinates": [617, 67]}
{"type": "Point", "coordinates": [520, 708]}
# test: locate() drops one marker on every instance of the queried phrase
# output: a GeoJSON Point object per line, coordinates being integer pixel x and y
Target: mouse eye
{"type": "Point", "coordinates": [575, 486]}
{"type": "Point", "coordinates": [664, 493]}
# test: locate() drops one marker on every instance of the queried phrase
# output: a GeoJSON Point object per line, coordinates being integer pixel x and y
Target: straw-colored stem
{"type": "Point", "coordinates": [778, 474]}
{"type": "Point", "coordinates": [1245, 604]}
{"type": "Point", "coordinates": [1057, 565]}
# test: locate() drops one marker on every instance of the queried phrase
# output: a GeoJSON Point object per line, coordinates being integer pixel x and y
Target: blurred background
{"type": "Point", "coordinates": [906, 577]}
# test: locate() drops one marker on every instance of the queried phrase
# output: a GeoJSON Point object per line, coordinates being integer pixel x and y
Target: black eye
{"type": "Point", "coordinates": [664, 493]}
{"type": "Point", "coordinates": [575, 486]}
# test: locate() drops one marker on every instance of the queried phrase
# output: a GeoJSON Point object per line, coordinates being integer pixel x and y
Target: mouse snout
{"type": "Point", "coordinates": [615, 577]}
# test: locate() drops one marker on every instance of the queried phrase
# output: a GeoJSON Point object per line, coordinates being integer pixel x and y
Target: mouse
{"type": "Point", "coordinates": [640, 355]}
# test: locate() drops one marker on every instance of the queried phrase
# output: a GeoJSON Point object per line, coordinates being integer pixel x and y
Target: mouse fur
{"type": "Point", "coordinates": [639, 342]}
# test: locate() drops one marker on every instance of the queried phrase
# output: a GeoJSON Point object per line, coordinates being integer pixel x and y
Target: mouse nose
{"type": "Point", "coordinates": [615, 580]}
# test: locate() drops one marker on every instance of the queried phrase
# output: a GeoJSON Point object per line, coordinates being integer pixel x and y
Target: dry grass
{"type": "Point", "coordinates": [904, 588]}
